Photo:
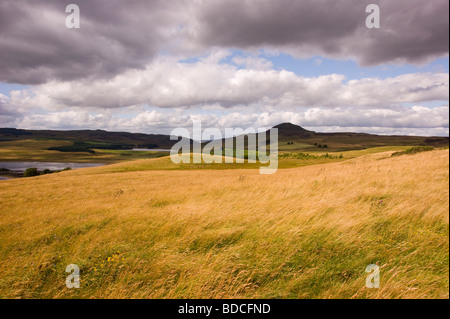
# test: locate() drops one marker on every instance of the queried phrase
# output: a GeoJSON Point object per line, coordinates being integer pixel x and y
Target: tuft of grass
{"type": "Point", "coordinates": [414, 150]}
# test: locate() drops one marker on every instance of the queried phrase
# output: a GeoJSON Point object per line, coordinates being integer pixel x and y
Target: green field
{"type": "Point", "coordinates": [37, 150]}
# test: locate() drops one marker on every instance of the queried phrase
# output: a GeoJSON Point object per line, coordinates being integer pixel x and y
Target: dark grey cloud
{"type": "Point", "coordinates": [418, 89]}
{"type": "Point", "coordinates": [411, 30]}
{"type": "Point", "coordinates": [117, 35]}
{"type": "Point", "coordinates": [279, 23]}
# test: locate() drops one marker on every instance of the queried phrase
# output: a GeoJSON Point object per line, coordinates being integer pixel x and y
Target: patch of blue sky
{"type": "Point", "coordinates": [6, 88]}
{"type": "Point", "coordinates": [429, 104]}
{"type": "Point", "coordinates": [317, 65]}
{"type": "Point", "coordinates": [191, 60]}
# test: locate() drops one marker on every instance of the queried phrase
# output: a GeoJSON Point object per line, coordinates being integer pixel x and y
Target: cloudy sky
{"type": "Point", "coordinates": [150, 66]}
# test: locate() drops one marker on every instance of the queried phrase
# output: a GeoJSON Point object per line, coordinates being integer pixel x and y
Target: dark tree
{"type": "Point", "coordinates": [29, 172]}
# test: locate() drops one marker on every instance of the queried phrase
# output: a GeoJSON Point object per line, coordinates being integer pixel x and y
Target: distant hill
{"type": "Point", "coordinates": [291, 138]}
{"type": "Point", "coordinates": [294, 137]}
{"type": "Point", "coordinates": [120, 140]}
{"type": "Point", "coordinates": [289, 129]}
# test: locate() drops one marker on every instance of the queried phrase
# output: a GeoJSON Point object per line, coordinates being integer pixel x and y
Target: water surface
{"type": "Point", "coordinates": [151, 149]}
{"type": "Point", "coordinates": [53, 166]}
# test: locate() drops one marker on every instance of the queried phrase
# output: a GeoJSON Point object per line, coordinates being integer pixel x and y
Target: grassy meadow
{"type": "Point", "coordinates": [40, 150]}
{"type": "Point", "coordinates": [144, 229]}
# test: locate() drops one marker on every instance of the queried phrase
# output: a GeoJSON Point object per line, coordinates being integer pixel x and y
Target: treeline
{"type": "Point", "coordinates": [79, 146]}
{"type": "Point", "coordinates": [306, 156]}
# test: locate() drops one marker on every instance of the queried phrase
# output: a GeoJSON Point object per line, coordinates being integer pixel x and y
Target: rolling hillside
{"type": "Point", "coordinates": [305, 232]}
{"type": "Point", "coordinates": [125, 139]}
{"type": "Point", "coordinates": [291, 138]}
{"type": "Point", "coordinates": [308, 140]}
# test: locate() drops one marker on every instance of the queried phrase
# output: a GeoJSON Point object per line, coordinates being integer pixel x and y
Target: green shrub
{"type": "Point", "coordinates": [29, 172]}
{"type": "Point", "coordinates": [306, 156]}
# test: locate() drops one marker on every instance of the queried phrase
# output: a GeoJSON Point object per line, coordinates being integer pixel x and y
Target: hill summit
{"type": "Point", "coordinates": [289, 129]}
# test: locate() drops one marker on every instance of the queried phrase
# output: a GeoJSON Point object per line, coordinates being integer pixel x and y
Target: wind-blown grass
{"type": "Point", "coordinates": [306, 232]}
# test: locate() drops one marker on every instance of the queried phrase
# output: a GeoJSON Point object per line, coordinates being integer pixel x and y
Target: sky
{"type": "Point", "coordinates": [152, 66]}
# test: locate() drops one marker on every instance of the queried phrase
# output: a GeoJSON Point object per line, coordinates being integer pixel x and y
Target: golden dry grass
{"type": "Point", "coordinates": [305, 232]}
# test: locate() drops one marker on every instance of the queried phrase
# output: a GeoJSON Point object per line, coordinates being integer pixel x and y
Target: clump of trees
{"type": "Point", "coordinates": [30, 172]}
{"type": "Point", "coordinates": [80, 146]}
{"type": "Point", "coordinates": [33, 171]}
{"type": "Point", "coordinates": [306, 156]}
